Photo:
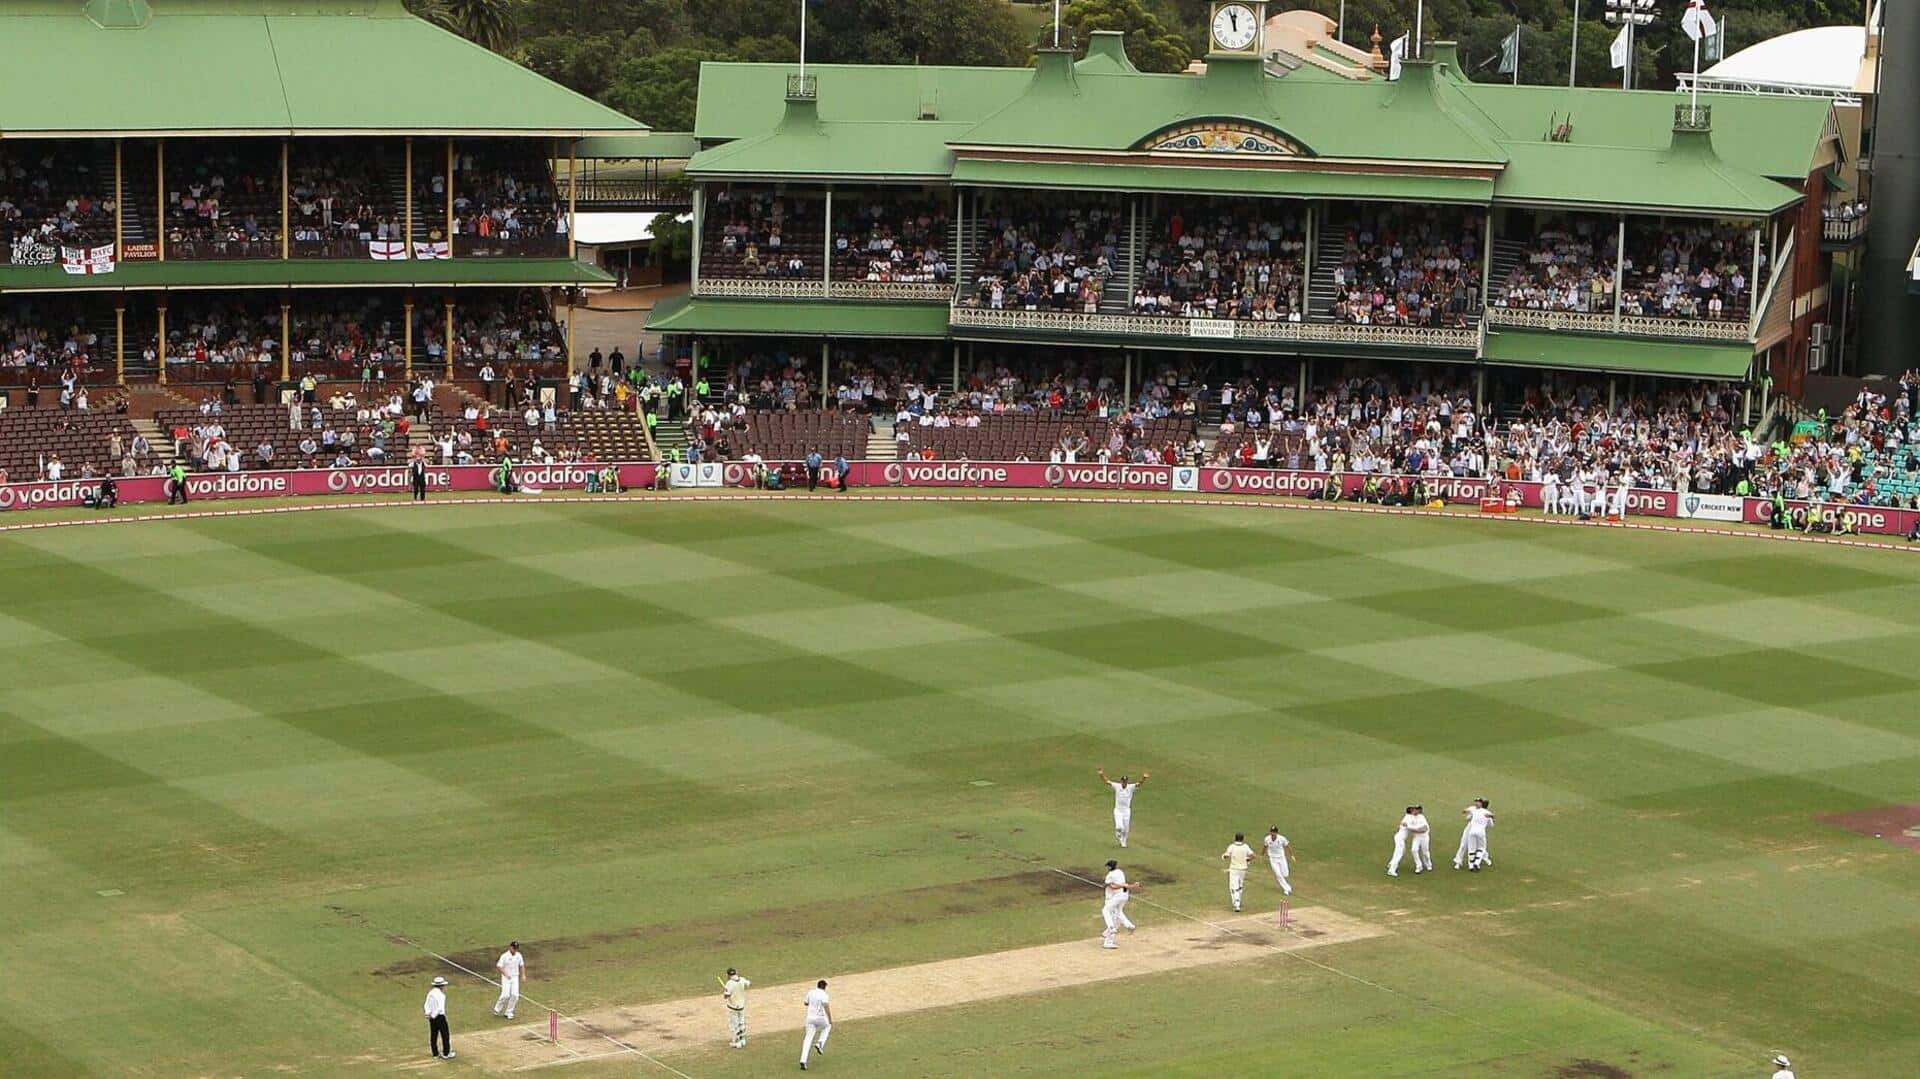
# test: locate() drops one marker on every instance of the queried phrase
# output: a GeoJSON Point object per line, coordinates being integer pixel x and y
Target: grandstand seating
{"type": "Point", "coordinates": [782, 435]}
{"type": "Point", "coordinates": [1007, 436]}
{"type": "Point", "coordinates": [29, 436]}
{"type": "Point", "coordinates": [752, 232]}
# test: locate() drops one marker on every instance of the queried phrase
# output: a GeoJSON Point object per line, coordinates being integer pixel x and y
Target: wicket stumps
{"type": "Point", "coordinates": [553, 1026]}
{"type": "Point", "coordinates": [1286, 917]}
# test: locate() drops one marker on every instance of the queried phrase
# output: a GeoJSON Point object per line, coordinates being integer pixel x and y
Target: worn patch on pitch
{"type": "Point", "coordinates": [697, 1022]}
{"type": "Point", "coordinates": [1897, 824]}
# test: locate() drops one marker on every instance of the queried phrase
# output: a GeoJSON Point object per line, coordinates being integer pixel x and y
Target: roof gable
{"type": "Point", "coordinates": [279, 67]}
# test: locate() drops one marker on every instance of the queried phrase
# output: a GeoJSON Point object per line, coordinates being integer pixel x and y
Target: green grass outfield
{"type": "Point", "coordinates": [240, 757]}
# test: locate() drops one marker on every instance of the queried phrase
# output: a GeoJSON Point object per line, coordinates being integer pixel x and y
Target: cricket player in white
{"type": "Point", "coordinates": [511, 965]}
{"type": "Point", "coordinates": [1400, 835]}
{"type": "Point", "coordinates": [1123, 802]}
{"type": "Point", "coordinates": [1276, 845]}
{"type": "Point", "coordinates": [1237, 855]}
{"type": "Point", "coordinates": [1421, 833]}
{"type": "Point", "coordinates": [1473, 839]}
{"type": "Point", "coordinates": [1113, 905]}
{"type": "Point", "coordinates": [1783, 1068]}
{"type": "Point", "coordinates": [733, 991]}
{"type": "Point", "coordinates": [819, 1023]}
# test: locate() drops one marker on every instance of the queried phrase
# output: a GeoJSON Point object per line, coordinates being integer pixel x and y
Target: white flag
{"type": "Point", "coordinates": [1396, 53]}
{"type": "Point", "coordinates": [1617, 55]}
{"type": "Point", "coordinates": [1696, 22]}
{"type": "Point", "coordinates": [432, 249]}
{"type": "Point", "coordinates": [387, 250]}
{"type": "Point", "coordinates": [1510, 53]}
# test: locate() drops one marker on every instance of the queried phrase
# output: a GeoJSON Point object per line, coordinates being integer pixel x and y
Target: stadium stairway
{"type": "Point", "coordinates": [1507, 254]}
{"type": "Point", "coordinates": [880, 444]}
{"type": "Point", "coordinates": [146, 398]}
{"type": "Point", "coordinates": [161, 441]}
{"type": "Point", "coordinates": [670, 440]}
{"type": "Point", "coordinates": [1330, 251]}
{"type": "Point", "coordinates": [137, 193]}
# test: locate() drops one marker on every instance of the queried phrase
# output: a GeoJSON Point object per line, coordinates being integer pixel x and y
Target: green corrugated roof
{"type": "Point", "coordinates": [1655, 180]}
{"type": "Point", "coordinates": [917, 150]}
{"type": "Point", "coordinates": [1617, 355]}
{"type": "Point", "coordinates": [313, 273]}
{"type": "Point", "coordinates": [663, 145]}
{"type": "Point", "coordinates": [1768, 134]}
{"type": "Point", "coordinates": [1303, 183]}
{"type": "Point", "coordinates": [740, 100]}
{"type": "Point", "coordinates": [683, 314]}
{"type": "Point", "coordinates": [271, 67]}
{"type": "Point", "coordinates": [1414, 119]}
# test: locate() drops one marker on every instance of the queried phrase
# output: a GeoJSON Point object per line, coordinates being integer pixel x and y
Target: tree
{"type": "Point", "coordinates": [970, 32]}
{"type": "Point", "coordinates": [487, 23]}
{"type": "Point", "coordinates": [1152, 45]}
{"type": "Point", "coordinates": [659, 89]}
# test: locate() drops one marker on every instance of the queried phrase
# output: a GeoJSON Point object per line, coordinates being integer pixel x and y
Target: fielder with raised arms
{"type": "Point", "coordinates": [1123, 802]}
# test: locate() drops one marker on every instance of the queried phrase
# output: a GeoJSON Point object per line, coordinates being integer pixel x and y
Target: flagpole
{"type": "Point", "coordinates": [1419, 14]}
{"type": "Point", "coordinates": [1694, 106]}
{"type": "Point", "coordinates": [1573, 54]}
{"type": "Point", "coordinates": [1056, 23]}
{"type": "Point", "coordinates": [1516, 53]}
{"type": "Point", "coordinates": [803, 42]}
{"type": "Point", "coordinates": [1340, 34]}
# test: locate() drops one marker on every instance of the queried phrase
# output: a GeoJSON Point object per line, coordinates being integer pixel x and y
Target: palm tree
{"type": "Point", "coordinates": [488, 23]}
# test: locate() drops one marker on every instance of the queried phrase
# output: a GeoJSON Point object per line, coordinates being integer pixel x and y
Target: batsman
{"type": "Point", "coordinates": [733, 992]}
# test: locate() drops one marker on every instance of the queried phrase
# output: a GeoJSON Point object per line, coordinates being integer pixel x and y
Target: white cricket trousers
{"type": "Point", "coordinates": [1471, 842]}
{"type": "Point", "coordinates": [1280, 874]}
{"type": "Point", "coordinates": [1122, 824]}
{"type": "Point", "coordinates": [1236, 885]}
{"type": "Point", "coordinates": [1113, 913]}
{"type": "Point", "coordinates": [737, 1025]}
{"type": "Point", "coordinates": [509, 997]}
{"type": "Point", "coordinates": [1423, 850]}
{"type": "Point", "coordinates": [1399, 852]}
{"type": "Point", "coordinates": [814, 1037]}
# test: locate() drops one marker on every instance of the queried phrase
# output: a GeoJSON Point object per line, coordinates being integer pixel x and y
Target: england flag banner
{"type": "Point", "coordinates": [432, 249]}
{"type": "Point", "coordinates": [87, 260]}
{"type": "Point", "coordinates": [387, 250]}
{"type": "Point", "coordinates": [1696, 22]}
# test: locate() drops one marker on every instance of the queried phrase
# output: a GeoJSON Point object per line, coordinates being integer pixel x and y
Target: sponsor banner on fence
{"type": "Point", "coordinates": [1712, 507]}
{"type": "Point", "coordinates": [391, 479]}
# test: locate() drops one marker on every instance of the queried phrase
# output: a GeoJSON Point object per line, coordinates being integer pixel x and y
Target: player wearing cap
{"type": "Point", "coordinates": [511, 965]}
{"type": "Point", "coordinates": [1473, 838]}
{"type": "Point", "coordinates": [1123, 790]}
{"type": "Point", "coordinates": [1237, 855]}
{"type": "Point", "coordinates": [439, 1039]}
{"type": "Point", "coordinates": [1277, 845]}
{"type": "Point", "coordinates": [1113, 904]}
{"type": "Point", "coordinates": [1400, 843]}
{"type": "Point", "coordinates": [733, 991]}
{"type": "Point", "coordinates": [1420, 832]}
{"type": "Point", "coordinates": [819, 1023]}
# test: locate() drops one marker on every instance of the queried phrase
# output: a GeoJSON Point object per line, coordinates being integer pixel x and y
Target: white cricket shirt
{"type": "Point", "coordinates": [511, 963]}
{"type": "Point", "coordinates": [1237, 855]}
{"type": "Point", "coordinates": [816, 1005]}
{"type": "Point", "coordinates": [736, 992]}
{"type": "Point", "coordinates": [1116, 877]}
{"type": "Point", "coordinates": [1122, 794]}
{"type": "Point", "coordinates": [436, 1003]}
{"type": "Point", "coordinates": [1276, 848]}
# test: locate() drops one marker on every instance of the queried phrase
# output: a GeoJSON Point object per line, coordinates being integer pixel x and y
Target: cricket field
{"type": "Point", "coordinates": [262, 778]}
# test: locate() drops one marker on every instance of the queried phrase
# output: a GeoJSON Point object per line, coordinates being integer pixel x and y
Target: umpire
{"type": "Point", "coordinates": [439, 1039]}
{"type": "Point", "coordinates": [417, 474]}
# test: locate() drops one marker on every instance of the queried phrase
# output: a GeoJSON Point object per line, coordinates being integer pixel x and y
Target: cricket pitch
{"type": "Point", "coordinates": [698, 1022]}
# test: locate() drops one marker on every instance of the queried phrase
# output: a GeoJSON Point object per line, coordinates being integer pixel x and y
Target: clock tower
{"type": "Point", "coordinates": [1236, 29]}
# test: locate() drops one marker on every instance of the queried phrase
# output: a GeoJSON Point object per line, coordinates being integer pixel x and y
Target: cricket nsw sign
{"type": "Point", "coordinates": [1712, 507]}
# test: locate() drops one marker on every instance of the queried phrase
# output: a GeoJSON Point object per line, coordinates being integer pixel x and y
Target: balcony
{"type": "Point", "coordinates": [812, 288]}
{"type": "Point", "coordinates": [1115, 325]}
{"type": "Point", "coordinates": [1837, 231]}
{"type": "Point", "coordinates": [1730, 329]}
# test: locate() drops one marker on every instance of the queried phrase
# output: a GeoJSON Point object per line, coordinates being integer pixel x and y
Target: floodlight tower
{"type": "Point", "coordinates": [1631, 14]}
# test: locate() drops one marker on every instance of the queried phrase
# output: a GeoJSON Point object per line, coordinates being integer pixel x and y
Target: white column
{"type": "Point", "coordinates": [699, 221]}
{"type": "Point", "coordinates": [826, 260]}
{"type": "Point", "coordinates": [1619, 269]}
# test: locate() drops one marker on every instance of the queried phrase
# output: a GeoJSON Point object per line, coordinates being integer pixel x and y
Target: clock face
{"type": "Point", "coordinates": [1234, 27]}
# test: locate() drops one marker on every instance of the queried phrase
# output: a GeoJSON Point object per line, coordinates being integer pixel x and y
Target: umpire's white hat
{"type": "Point", "coordinates": [439, 981]}
{"type": "Point", "coordinates": [1780, 1061]}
